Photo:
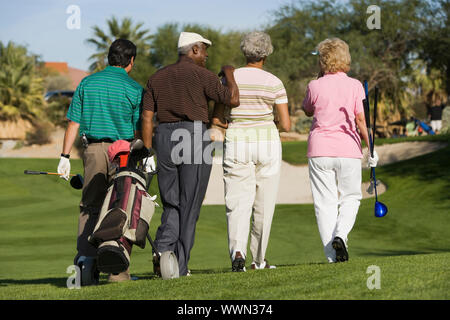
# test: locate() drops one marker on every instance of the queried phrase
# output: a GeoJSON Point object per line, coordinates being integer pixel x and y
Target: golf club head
{"type": "Point", "coordinates": [380, 209]}
{"type": "Point", "coordinates": [77, 182]}
{"type": "Point", "coordinates": [136, 145]}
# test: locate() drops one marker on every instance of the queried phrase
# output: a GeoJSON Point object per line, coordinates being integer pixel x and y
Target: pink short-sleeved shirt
{"type": "Point", "coordinates": [336, 99]}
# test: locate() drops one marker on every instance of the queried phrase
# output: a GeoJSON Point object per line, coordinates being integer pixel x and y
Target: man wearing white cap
{"type": "Point", "coordinates": [179, 95]}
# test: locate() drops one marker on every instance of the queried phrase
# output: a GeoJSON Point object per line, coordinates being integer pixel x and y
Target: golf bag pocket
{"type": "Point", "coordinates": [146, 210]}
{"type": "Point", "coordinates": [111, 226]}
{"type": "Point", "coordinates": [126, 211]}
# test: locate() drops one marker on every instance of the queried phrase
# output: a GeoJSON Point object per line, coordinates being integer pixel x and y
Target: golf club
{"type": "Point", "coordinates": [367, 116]}
{"type": "Point", "coordinates": [380, 209]}
{"type": "Point", "coordinates": [45, 172]}
{"type": "Point", "coordinates": [76, 181]}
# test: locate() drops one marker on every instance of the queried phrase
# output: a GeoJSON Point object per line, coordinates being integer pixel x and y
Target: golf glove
{"type": "Point", "coordinates": [372, 161]}
{"type": "Point", "coordinates": [149, 164]}
{"type": "Point", "coordinates": [64, 168]}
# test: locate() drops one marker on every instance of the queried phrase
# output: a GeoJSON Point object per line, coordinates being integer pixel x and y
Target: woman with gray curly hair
{"type": "Point", "coordinates": [252, 153]}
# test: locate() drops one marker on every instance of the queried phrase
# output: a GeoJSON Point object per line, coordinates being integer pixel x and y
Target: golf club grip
{"type": "Point", "coordinates": [367, 116]}
{"type": "Point", "coordinates": [366, 91]}
{"type": "Point", "coordinates": [374, 118]}
{"type": "Point", "coordinates": [366, 113]}
{"type": "Point", "coordinates": [44, 172]}
{"type": "Point", "coordinates": [33, 172]}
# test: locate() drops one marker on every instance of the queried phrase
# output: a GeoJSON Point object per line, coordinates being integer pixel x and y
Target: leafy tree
{"type": "Point", "coordinates": [224, 50]}
{"type": "Point", "coordinates": [383, 57]}
{"type": "Point", "coordinates": [21, 87]}
{"type": "Point", "coordinates": [296, 31]}
{"type": "Point", "coordinates": [164, 45]}
{"type": "Point", "coordinates": [57, 82]}
{"type": "Point", "coordinates": [125, 30]}
{"type": "Point", "coordinates": [435, 39]}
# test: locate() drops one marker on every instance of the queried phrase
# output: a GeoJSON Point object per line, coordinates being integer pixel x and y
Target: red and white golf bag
{"type": "Point", "coordinates": [124, 220]}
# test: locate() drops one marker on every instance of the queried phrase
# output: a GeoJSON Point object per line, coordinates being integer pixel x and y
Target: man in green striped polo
{"type": "Point", "coordinates": [106, 107]}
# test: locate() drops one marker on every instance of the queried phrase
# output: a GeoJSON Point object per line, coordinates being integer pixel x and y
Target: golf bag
{"type": "Point", "coordinates": [124, 218]}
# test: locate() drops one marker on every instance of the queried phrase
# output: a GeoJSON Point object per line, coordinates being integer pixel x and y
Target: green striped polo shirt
{"type": "Point", "coordinates": [107, 104]}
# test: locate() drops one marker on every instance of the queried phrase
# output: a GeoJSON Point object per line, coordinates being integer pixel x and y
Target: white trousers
{"type": "Point", "coordinates": [251, 176]}
{"type": "Point", "coordinates": [436, 125]}
{"type": "Point", "coordinates": [336, 191]}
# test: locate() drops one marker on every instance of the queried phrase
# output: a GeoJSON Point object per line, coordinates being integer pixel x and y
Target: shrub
{"type": "Point", "coordinates": [303, 125]}
{"type": "Point", "coordinates": [39, 135]}
{"type": "Point", "coordinates": [56, 110]}
{"type": "Point", "coordinates": [446, 120]}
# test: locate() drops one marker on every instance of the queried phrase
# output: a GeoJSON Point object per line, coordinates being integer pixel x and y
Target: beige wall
{"type": "Point", "coordinates": [14, 130]}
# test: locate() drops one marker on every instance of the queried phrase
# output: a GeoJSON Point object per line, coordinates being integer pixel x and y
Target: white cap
{"type": "Point", "coordinates": [187, 38]}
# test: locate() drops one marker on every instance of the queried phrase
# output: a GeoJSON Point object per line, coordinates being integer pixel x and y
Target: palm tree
{"type": "Point", "coordinates": [124, 30]}
{"type": "Point", "coordinates": [21, 88]}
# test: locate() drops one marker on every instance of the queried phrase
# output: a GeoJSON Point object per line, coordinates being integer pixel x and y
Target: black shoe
{"type": "Point", "coordinates": [341, 251]}
{"type": "Point", "coordinates": [238, 264]}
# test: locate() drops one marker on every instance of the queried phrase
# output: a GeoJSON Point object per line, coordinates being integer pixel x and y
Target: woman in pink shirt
{"type": "Point", "coordinates": [334, 146]}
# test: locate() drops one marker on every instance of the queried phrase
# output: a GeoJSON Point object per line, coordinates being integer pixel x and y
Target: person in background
{"type": "Point", "coordinates": [335, 101]}
{"type": "Point", "coordinates": [437, 105]}
{"type": "Point", "coordinates": [179, 95]}
{"type": "Point", "coordinates": [106, 107]}
{"type": "Point", "coordinates": [252, 153]}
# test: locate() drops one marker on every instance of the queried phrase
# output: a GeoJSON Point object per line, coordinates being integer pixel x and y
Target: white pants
{"type": "Point", "coordinates": [436, 125]}
{"type": "Point", "coordinates": [336, 191]}
{"type": "Point", "coordinates": [251, 176]}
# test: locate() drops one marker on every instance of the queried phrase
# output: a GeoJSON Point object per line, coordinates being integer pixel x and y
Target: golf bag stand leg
{"type": "Point", "coordinates": [88, 269]}
{"type": "Point", "coordinates": [153, 246]}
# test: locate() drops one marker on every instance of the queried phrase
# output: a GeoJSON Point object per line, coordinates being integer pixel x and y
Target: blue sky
{"type": "Point", "coordinates": [41, 24]}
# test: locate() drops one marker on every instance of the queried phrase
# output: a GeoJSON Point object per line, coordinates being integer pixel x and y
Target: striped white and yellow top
{"type": "Point", "coordinates": [259, 92]}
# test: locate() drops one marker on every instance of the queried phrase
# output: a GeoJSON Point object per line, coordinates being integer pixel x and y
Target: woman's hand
{"type": "Point", "coordinates": [284, 121]}
{"type": "Point", "coordinates": [218, 117]}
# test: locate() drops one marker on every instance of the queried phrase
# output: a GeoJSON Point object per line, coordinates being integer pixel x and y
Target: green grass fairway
{"type": "Point", "coordinates": [410, 245]}
{"type": "Point", "coordinates": [294, 152]}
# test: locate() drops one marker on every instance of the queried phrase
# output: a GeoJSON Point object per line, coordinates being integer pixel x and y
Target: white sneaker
{"type": "Point", "coordinates": [264, 265]}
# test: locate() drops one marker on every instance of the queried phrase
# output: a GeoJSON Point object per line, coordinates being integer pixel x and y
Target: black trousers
{"type": "Point", "coordinates": [183, 176]}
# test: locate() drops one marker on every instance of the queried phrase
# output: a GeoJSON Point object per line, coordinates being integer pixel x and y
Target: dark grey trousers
{"type": "Point", "coordinates": [183, 177]}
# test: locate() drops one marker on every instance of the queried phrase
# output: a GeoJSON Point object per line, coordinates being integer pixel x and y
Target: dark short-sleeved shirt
{"type": "Point", "coordinates": [107, 105]}
{"type": "Point", "coordinates": [181, 91]}
{"type": "Point", "coordinates": [436, 112]}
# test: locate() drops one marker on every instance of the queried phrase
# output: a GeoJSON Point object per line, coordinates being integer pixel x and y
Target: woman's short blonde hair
{"type": "Point", "coordinates": [334, 56]}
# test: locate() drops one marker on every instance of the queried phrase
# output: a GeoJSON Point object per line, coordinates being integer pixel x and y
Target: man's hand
{"type": "Point", "coordinates": [64, 168]}
{"type": "Point", "coordinates": [226, 69]}
{"type": "Point", "coordinates": [228, 73]}
{"type": "Point", "coordinates": [149, 164]}
{"type": "Point", "coordinates": [373, 161]}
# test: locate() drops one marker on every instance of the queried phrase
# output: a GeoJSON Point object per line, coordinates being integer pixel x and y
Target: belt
{"type": "Point", "coordinates": [107, 140]}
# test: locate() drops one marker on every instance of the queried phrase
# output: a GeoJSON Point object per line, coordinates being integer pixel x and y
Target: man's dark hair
{"type": "Point", "coordinates": [120, 53]}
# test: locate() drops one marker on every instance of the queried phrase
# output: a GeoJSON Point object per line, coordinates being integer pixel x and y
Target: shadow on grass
{"type": "Point", "coordinates": [56, 282]}
{"type": "Point", "coordinates": [389, 253]}
{"type": "Point", "coordinates": [427, 169]}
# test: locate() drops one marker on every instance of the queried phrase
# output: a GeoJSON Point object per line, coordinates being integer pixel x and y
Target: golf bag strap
{"type": "Point", "coordinates": [90, 210]}
{"type": "Point", "coordinates": [131, 174]}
